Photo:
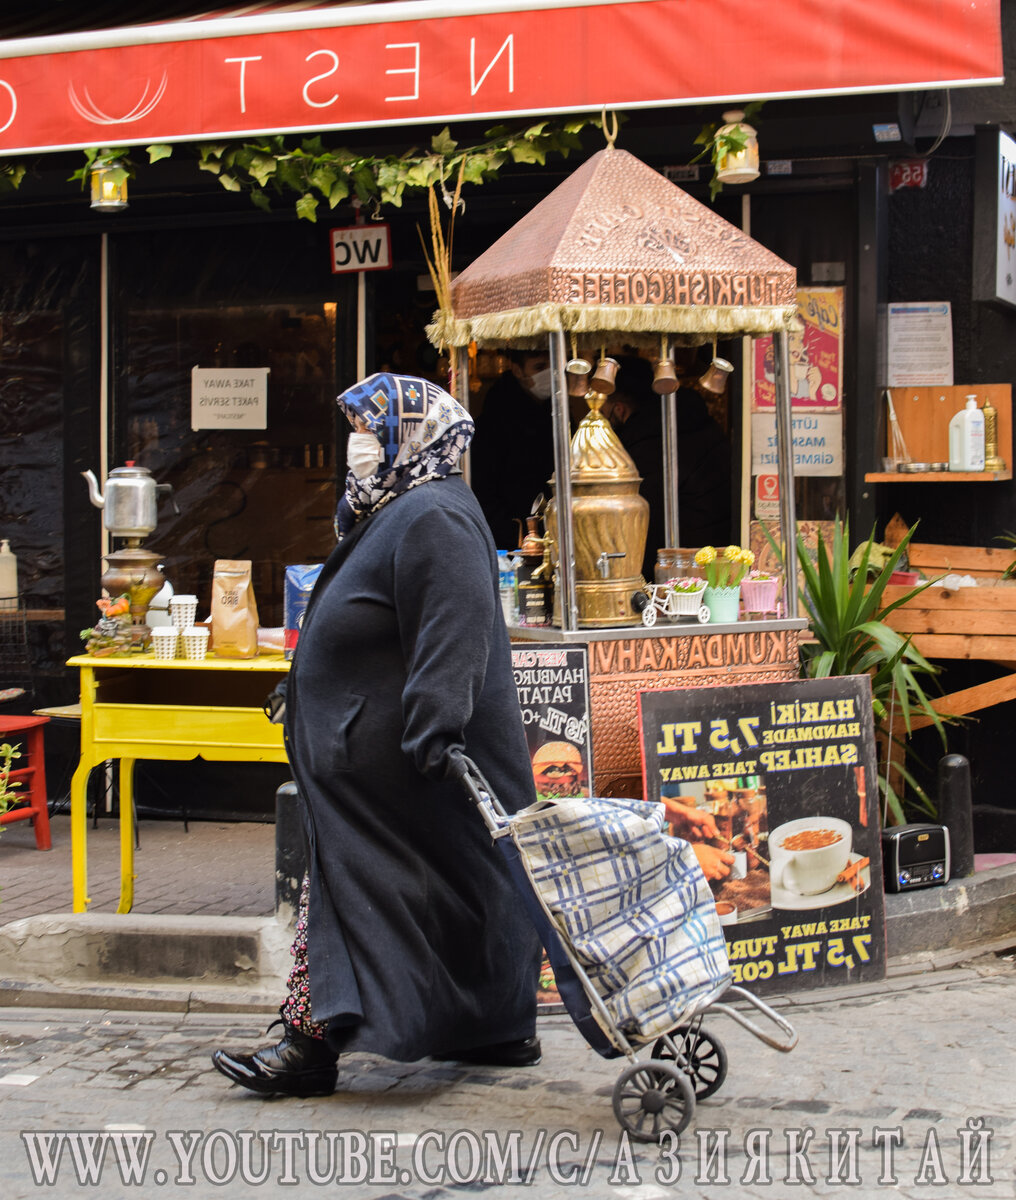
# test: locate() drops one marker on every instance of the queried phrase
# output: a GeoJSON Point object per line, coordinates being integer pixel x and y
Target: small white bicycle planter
{"type": "Point", "coordinates": [674, 605]}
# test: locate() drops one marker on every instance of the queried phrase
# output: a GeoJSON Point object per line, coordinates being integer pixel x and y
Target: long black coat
{"type": "Point", "coordinates": [417, 940]}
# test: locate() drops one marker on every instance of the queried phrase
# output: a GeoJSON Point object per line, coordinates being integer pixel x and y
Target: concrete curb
{"type": "Point", "coordinates": [170, 963]}
{"type": "Point", "coordinates": [229, 964]}
{"type": "Point", "coordinates": [965, 912]}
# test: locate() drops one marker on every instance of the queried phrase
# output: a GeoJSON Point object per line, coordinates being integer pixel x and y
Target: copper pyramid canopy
{"type": "Point", "coordinates": [618, 247]}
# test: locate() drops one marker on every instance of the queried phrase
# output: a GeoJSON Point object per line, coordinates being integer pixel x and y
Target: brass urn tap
{"type": "Point", "coordinates": [610, 521]}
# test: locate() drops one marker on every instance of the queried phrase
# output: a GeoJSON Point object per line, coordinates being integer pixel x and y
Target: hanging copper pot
{"type": "Point", "coordinates": [604, 376]}
{"type": "Point", "coordinates": [664, 377]}
{"type": "Point", "coordinates": [577, 370]}
{"type": "Point", "coordinates": [714, 380]}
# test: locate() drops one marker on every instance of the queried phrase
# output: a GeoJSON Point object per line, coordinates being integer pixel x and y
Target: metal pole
{"type": "Point", "coordinates": [672, 532]}
{"type": "Point", "coordinates": [562, 481]}
{"type": "Point", "coordinates": [104, 292]}
{"type": "Point", "coordinates": [785, 452]}
{"type": "Point", "coordinates": [460, 371]}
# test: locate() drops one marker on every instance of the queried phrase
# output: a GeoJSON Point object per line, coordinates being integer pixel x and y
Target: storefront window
{"type": "Point", "coordinates": [268, 494]}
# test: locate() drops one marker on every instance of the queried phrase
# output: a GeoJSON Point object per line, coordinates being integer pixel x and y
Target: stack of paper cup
{"type": "Point", "coordinates": [183, 611]}
{"type": "Point", "coordinates": [164, 641]}
{"type": "Point", "coordinates": [195, 641]}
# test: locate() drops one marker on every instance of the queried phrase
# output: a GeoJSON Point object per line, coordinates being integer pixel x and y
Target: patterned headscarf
{"type": "Point", "coordinates": [423, 432]}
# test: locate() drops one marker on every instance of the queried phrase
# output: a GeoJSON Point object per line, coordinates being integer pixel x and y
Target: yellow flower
{"type": "Point", "coordinates": [747, 557]}
{"type": "Point", "coordinates": [706, 555]}
{"type": "Point", "coordinates": [732, 553]}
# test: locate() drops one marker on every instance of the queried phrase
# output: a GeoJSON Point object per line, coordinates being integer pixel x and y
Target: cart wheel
{"type": "Point", "coordinates": [652, 1096]}
{"type": "Point", "coordinates": [704, 614]}
{"type": "Point", "coordinates": [707, 1059]}
{"type": "Point", "coordinates": [649, 615]}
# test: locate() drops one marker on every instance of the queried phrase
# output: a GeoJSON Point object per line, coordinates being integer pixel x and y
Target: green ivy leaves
{"type": "Point", "coordinates": [315, 175]}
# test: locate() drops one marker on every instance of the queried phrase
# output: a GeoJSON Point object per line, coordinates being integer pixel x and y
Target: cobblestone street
{"type": "Point", "coordinates": [883, 1095]}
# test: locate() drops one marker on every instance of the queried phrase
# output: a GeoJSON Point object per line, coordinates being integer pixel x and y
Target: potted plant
{"type": "Point", "coordinates": [847, 613]}
{"type": "Point", "coordinates": [760, 591]}
{"type": "Point", "coordinates": [723, 573]}
{"type": "Point", "coordinates": [8, 793]}
{"type": "Point", "coordinates": [685, 595]}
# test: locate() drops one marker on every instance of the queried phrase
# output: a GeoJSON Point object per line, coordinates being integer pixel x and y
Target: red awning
{"type": "Point", "coordinates": [415, 62]}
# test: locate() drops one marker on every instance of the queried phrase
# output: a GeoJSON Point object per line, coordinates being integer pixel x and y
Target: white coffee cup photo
{"type": "Point", "coordinates": [807, 854]}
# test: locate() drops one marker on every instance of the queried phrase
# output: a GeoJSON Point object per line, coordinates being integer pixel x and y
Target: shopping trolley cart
{"type": "Point", "coordinates": [639, 956]}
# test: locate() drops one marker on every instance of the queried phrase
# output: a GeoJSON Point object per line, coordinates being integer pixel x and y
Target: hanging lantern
{"type": "Point", "coordinates": [737, 166]}
{"type": "Point", "coordinates": [109, 185]}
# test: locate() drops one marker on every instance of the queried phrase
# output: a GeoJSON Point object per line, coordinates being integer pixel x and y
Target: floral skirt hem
{"type": "Point", "coordinates": [295, 1009]}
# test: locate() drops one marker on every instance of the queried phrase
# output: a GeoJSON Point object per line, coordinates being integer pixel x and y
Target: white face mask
{"type": "Point", "coordinates": [363, 453]}
{"type": "Point", "coordinates": [540, 383]}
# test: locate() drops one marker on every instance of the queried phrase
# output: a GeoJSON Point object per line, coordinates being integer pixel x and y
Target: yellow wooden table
{"type": "Point", "coordinates": [142, 707]}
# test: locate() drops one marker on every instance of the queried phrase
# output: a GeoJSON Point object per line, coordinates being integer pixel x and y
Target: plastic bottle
{"type": "Point", "coordinates": [966, 438]}
{"type": "Point", "coordinates": [507, 586]}
{"type": "Point", "coordinates": [8, 576]}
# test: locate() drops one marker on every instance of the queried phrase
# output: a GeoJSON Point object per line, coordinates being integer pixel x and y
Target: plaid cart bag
{"type": "Point", "coordinates": [633, 905]}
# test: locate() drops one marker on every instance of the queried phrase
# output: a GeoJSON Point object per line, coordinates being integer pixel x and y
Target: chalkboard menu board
{"type": "Point", "coordinates": [775, 786]}
{"type": "Point", "coordinates": [553, 686]}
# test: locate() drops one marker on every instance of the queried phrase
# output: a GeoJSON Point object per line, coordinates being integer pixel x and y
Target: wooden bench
{"type": "Point", "coordinates": [964, 622]}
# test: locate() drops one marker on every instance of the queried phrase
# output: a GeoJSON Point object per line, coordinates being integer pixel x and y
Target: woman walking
{"type": "Point", "coordinates": [411, 940]}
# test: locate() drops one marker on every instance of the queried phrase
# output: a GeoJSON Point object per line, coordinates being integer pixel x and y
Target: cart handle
{"type": "Point", "coordinates": [477, 788]}
{"type": "Point", "coordinates": [746, 1023]}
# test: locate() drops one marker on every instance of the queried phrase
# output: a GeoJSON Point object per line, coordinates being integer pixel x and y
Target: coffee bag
{"type": "Point", "coordinates": [234, 609]}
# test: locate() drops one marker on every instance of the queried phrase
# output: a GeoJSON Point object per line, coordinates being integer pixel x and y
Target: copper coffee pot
{"type": "Point", "coordinates": [715, 378]}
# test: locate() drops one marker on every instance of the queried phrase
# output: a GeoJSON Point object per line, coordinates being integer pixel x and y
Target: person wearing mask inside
{"type": "Point", "coordinates": [411, 938]}
{"type": "Point", "coordinates": [513, 451]}
{"type": "Point", "coordinates": [703, 459]}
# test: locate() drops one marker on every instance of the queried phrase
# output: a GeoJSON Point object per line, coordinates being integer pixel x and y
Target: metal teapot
{"type": "Point", "coordinates": [131, 500]}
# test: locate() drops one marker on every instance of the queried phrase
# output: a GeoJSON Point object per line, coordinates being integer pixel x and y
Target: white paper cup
{"type": "Point", "coordinates": [165, 639]}
{"type": "Point", "coordinates": [183, 611]}
{"type": "Point", "coordinates": [727, 912]}
{"type": "Point", "coordinates": [195, 641]}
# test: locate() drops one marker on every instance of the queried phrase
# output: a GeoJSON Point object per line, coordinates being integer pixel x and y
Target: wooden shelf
{"type": "Point", "coordinates": [937, 476]}
{"type": "Point", "coordinates": [924, 414]}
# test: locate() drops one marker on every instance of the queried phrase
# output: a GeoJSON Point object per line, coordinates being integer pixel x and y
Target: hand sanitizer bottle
{"type": "Point", "coordinates": [966, 438]}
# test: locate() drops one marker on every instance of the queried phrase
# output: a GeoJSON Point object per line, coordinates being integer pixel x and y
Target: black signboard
{"type": "Point", "coordinates": [553, 686]}
{"type": "Point", "coordinates": [775, 786]}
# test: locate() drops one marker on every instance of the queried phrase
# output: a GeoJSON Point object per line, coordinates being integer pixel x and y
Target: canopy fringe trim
{"type": "Point", "coordinates": [697, 324]}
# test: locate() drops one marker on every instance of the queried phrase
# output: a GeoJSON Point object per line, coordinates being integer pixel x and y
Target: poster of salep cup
{"type": "Point", "coordinates": [774, 786]}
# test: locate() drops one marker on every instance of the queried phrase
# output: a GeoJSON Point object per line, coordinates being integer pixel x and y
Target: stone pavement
{"type": "Point", "coordinates": [208, 869]}
{"type": "Point", "coordinates": [885, 1094]}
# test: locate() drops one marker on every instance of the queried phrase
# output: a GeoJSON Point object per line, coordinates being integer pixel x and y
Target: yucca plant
{"type": "Point", "coordinates": [1010, 540]}
{"type": "Point", "coordinates": [847, 610]}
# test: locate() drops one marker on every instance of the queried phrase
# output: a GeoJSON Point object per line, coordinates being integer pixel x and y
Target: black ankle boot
{"type": "Point", "coordinates": [298, 1065]}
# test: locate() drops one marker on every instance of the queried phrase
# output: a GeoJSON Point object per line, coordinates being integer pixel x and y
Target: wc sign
{"type": "Point", "coordinates": [361, 248]}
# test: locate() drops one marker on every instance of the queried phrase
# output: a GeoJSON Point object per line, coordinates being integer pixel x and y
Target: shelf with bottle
{"type": "Point", "coordinates": [922, 418]}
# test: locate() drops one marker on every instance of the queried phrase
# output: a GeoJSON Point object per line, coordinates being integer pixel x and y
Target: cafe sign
{"type": "Point", "coordinates": [229, 398]}
{"type": "Point", "coordinates": [775, 785]}
{"type": "Point", "coordinates": [355, 66]}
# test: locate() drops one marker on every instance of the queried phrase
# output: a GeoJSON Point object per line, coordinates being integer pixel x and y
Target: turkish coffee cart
{"type": "Point", "coordinates": [618, 251]}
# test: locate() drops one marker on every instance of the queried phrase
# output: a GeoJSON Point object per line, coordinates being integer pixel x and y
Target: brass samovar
{"type": "Point", "coordinates": [610, 522]}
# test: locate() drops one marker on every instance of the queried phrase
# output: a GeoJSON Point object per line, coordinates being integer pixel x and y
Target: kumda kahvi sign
{"type": "Point", "coordinates": [775, 786]}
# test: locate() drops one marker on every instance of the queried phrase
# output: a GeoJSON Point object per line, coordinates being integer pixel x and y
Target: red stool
{"type": "Point", "coordinates": [32, 804]}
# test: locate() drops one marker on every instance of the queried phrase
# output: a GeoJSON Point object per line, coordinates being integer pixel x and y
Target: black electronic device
{"type": "Point", "coordinates": [915, 856]}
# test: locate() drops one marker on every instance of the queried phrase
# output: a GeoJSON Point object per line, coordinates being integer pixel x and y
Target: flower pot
{"type": "Point", "coordinates": [723, 604]}
{"type": "Point", "coordinates": [685, 604]}
{"type": "Point", "coordinates": [760, 595]}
